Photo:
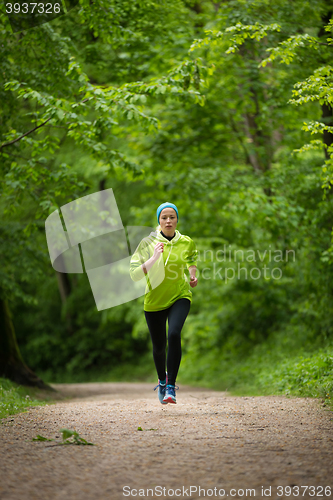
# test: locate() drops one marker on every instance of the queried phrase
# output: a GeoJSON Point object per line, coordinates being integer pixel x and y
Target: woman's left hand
{"type": "Point", "coordinates": [193, 281]}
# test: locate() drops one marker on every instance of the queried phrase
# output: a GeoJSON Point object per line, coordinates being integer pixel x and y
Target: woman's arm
{"type": "Point", "coordinates": [138, 266]}
{"type": "Point", "coordinates": [159, 248]}
{"type": "Point", "coordinates": [148, 264]}
{"type": "Point", "coordinates": [194, 281]}
{"type": "Point", "coordinates": [192, 270]}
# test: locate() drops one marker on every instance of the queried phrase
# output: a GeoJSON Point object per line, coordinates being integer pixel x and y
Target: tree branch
{"type": "Point", "coordinates": [23, 135]}
{"type": "Point", "coordinates": [32, 130]}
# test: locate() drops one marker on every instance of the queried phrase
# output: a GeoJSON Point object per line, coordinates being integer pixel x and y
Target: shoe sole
{"type": "Point", "coordinates": [169, 400]}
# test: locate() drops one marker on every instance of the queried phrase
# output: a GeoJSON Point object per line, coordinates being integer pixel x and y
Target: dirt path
{"type": "Point", "coordinates": [224, 445]}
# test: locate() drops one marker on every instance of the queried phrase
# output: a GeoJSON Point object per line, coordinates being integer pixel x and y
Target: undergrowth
{"type": "Point", "coordinates": [15, 398]}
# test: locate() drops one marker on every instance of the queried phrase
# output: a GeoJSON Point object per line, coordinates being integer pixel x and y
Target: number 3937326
{"type": "Point", "coordinates": [24, 15]}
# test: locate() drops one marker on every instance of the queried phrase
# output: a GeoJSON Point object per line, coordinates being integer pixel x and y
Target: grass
{"type": "Point", "coordinates": [307, 375]}
{"type": "Point", "coordinates": [15, 398]}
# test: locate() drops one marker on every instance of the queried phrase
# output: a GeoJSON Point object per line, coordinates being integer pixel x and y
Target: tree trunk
{"type": "Point", "coordinates": [253, 156]}
{"type": "Point", "coordinates": [65, 289]}
{"type": "Point", "coordinates": [64, 286]}
{"type": "Point", "coordinates": [260, 148]}
{"type": "Point", "coordinates": [12, 365]}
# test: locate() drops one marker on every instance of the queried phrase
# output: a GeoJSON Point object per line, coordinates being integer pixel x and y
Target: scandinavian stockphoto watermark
{"type": "Point", "coordinates": [265, 263]}
{"type": "Point", "coordinates": [226, 264]}
{"type": "Point", "coordinates": [25, 15]}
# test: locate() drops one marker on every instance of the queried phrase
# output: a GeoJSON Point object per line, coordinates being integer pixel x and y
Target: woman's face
{"type": "Point", "coordinates": [168, 221]}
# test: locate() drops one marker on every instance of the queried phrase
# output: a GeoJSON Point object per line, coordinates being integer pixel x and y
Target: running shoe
{"type": "Point", "coordinates": [161, 390]}
{"type": "Point", "coordinates": [170, 394]}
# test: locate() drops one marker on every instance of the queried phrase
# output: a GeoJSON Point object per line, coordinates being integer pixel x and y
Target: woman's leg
{"type": "Point", "coordinates": [156, 321]}
{"type": "Point", "coordinates": [176, 319]}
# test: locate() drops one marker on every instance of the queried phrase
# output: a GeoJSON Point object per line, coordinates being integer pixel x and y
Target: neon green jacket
{"type": "Point", "coordinates": [166, 280]}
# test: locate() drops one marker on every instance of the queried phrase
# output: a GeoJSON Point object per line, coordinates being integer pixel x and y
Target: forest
{"type": "Point", "coordinates": [223, 108]}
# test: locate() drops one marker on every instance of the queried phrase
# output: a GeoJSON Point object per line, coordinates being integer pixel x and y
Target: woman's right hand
{"type": "Point", "coordinates": [159, 248]}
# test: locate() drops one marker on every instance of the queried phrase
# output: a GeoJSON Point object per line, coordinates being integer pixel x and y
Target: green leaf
{"type": "Point", "coordinates": [66, 433]}
{"type": "Point", "coordinates": [41, 438]}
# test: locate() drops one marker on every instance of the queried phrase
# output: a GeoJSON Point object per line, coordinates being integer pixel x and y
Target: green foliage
{"type": "Point", "coordinates": [280, 366]}
{"type": "Point", "coordinates": [68, 437]}
{"type": "Point", "coordinates": [41, 438]}
{"type": "Point", "coordinates": [68, 350]}
{"type": "Point", "coordinates": [234, 36]}
{"type": "Point", "coordinates": [309, 375]}
{"type": "Point", "coordinates": [286, 51]}
{"type": "Point", "coordinates": [67, 434]}
{"type": "Point", "coordinates": [16, 399]}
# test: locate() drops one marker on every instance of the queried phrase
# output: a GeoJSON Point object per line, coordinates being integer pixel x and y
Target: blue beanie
{"type": "Point", "coordinates": [165, 205]}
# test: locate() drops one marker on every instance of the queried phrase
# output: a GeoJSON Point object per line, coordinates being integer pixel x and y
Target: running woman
{"type": "Point", "coordinates": [164, 255]}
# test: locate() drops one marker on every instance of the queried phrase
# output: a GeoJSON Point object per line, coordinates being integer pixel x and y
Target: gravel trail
{"type": "Point", "coordinates": [225, 445]}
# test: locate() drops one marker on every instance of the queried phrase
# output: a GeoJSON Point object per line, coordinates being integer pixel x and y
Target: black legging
{"type": "Point", "coordinates": [156, 321]}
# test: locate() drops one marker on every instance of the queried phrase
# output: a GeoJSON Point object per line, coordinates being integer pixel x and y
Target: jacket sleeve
{"type": "Point", "coordinates": [139, 257]}
{"type": "Point", "coordinates": [192, 255]}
